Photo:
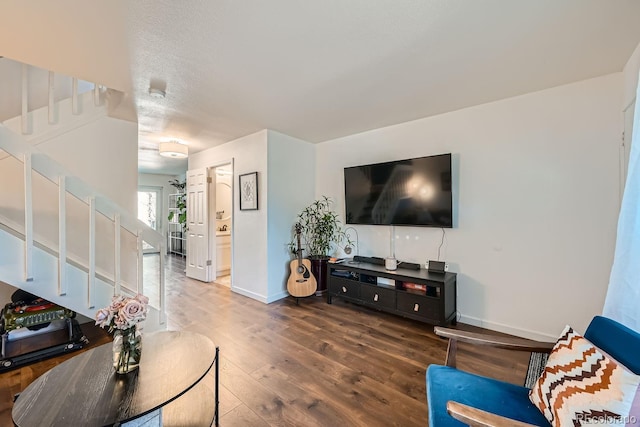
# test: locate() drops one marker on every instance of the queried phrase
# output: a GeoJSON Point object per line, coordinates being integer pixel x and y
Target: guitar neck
{"type": "Point", "coordinates": [299, 250]}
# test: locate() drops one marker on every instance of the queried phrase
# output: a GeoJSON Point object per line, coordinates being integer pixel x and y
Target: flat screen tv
{"type": "Point", "coordinates": [415, 192]}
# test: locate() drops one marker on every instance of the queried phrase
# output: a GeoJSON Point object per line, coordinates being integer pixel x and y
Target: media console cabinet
{"type": "Point", "coordinates": [415, 294]}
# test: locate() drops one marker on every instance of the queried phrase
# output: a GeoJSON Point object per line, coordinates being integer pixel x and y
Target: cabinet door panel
{"type": "Point", "coordinates": [417, 305]}
{"type": "Point", "coordinates": [345, 288]}
{"type": "Point", "coordinates": [377, 296]}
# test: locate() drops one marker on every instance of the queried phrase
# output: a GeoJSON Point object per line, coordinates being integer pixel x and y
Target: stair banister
{"type": "Point", "coordinates": [161, 279]}
{"type": "Point", "coordinates": [117, 280]}
{"type": "Point", "coordinates": [28, 218]}
{"type": "Point", "coordinates": [62, 235]}
{"type": "Point", "coordinates": [92, 253]}
{"type": "Point", "coordinates": [25, 99]}
{"type": "Point", "coordinates": [17, 147]}
{"type": "Point", "coordinates": [34, 160]}
{"type": "Point", "coordinates": [139, 262]}
{"type": "Point", "coordinates": [96, 94]}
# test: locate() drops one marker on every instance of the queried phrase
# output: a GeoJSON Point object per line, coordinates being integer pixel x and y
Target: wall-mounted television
{"type": "Point", "coordinates": [415, 192]}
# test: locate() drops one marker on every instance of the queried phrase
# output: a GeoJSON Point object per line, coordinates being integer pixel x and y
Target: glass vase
{"type": "Point", "coordinates": [127, 349]}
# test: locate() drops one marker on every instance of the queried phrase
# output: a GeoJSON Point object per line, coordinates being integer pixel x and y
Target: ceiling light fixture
{"type": "Point", "coordinates": [173, 149]}
{"type": "Point", "coordinates": [157, 93]}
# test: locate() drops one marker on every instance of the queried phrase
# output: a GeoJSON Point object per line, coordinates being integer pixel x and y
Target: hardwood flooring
{"type": "Point", "coordinates": [311, 364]}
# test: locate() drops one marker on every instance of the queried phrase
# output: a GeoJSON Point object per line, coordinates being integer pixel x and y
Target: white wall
{"type": "Point", "coordinates": [291, 168]}
{"type": "Point", "coordinates": [104, 153]}
{"type": "Point", "coordinates": [286, 176]}
{"type": "Point", "coordinates": [249, 234]}
{"type": "Point", "coordinates": [537, 202]}
{"type": "Point", "coordinates": [630, 72]}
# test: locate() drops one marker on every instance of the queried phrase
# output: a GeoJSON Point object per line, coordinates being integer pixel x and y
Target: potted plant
{"type": "Point", "coordinates": [320, 230]}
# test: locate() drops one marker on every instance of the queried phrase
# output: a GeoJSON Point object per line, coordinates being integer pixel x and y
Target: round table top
{"type": "Point", "coordinates": [86, 391]}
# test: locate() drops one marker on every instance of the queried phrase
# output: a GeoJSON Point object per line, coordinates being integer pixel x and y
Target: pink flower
{"type": "Point", "coordinates": [143, 300]}
{"type": "Point", "coordinates": [117, 303]}
{"type": "Point", "coordinates": [103, 317]}
{"type": "Point", "coordinates": [123, 312]}
{"type": "Point", "coordinates": [132, 312]}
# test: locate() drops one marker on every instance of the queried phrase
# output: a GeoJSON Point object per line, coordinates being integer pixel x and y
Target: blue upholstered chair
{"type": "Point", "coordinates": [458, 398]}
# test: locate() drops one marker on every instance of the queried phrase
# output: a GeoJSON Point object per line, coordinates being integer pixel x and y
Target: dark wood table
{"type": "Point", "coordinates": [86, 391]}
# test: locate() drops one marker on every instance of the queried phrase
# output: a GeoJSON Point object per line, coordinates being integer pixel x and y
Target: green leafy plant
{"type": "Point", "coordinates": [181, 204]}
{"type": "Point", "coordinates": [320, 228]}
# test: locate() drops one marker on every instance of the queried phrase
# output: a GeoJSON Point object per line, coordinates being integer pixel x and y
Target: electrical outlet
{"type": "Point", "coordinates": [446, 266]}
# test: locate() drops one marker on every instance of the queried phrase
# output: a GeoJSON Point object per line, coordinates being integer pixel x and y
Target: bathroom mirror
{"type": "Point", "coordinates": [223, 201]}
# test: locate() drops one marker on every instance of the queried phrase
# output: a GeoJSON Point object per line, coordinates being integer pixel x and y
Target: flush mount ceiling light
{"type": "Point", "coordinates": [157, 93]}
{"type": "Point", "coordinates": [173, 149]}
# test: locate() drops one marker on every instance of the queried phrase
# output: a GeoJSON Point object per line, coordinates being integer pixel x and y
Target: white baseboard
{"type": "Point", "coordinates": [277, 297]}
{"type": "Point", "coordinates": [267, 300]}
{"type": "Point", "coordinates": [499, 327]}
{"type": "Point", "coordinates": [249, 294]}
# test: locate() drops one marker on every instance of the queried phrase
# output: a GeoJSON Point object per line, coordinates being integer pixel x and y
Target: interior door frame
{"type": "Point", "coordinates": [212, 217]}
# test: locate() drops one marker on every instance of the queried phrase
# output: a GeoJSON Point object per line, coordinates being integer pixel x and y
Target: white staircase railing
{"type": "Point", "coordinates": [28, 93]}
{"type": "Point", "coordinates": [35, 161]}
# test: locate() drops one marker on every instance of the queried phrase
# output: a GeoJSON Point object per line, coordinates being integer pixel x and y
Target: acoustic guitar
{"type": "Point", "coordinates": [301, 282]}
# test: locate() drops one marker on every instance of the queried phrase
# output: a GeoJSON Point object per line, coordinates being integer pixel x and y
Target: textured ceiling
{"type": "Point", "coordinates": [315, 70]}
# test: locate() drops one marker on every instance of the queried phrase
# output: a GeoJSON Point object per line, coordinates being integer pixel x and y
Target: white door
{"type": "Point", "coordinates": [198, 261]}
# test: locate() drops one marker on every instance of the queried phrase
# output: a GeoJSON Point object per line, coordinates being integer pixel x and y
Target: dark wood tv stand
{"type": "Point", "coordinates": [415, 294]}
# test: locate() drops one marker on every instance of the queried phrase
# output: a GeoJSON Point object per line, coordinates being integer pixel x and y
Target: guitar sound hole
{"type": "Point", "coordinates": [300, 269]}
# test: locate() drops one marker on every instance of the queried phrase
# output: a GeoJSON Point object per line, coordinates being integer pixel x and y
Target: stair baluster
{"type": "Point", "coordinates": [62, 235]}
{"type": "Point", "coordinates": [92, 253]}
{"type": "Point", "coordinates": [28, 218]}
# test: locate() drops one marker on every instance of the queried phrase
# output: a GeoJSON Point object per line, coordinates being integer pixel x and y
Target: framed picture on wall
{"type": "Point", "coordinates": [249, 191]}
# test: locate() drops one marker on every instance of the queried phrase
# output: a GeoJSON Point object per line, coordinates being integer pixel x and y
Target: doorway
{"type": "Point", "coordinates": [222, 176]}
{"type": "Point", "coordinates": [210, 223]}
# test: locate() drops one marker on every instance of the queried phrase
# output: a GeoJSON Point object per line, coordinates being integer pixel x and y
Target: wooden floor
{"type": "Point", "coordinates": [311, 364]}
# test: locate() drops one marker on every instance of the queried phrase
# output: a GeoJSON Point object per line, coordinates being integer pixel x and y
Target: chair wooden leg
{"type": "Point", "coordinates": [451, 353]}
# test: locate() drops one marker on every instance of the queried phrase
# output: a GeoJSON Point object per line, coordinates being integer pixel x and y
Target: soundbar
{"type": "Point", "coordinates": [380, 261]}
{"type": "Point", "coordinates": [369, 259]}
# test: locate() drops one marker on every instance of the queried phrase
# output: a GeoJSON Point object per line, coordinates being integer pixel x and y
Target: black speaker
{"type": "Point", "coordinates": [369, 259]}
{"type": "Point", "coordinates": [409, 265]}
{"type": "Point", "coordinates": [436, 267]}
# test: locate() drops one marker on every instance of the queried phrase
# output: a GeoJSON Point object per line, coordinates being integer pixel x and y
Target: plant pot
{"type": "Point", "coordinates": [319, 270]}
